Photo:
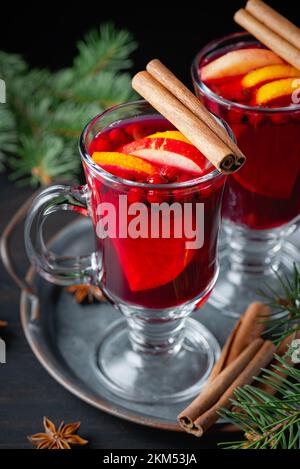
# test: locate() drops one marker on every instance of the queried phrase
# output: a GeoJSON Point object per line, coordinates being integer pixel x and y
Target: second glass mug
{"type": "Point", "coordinates": [261, 205]}
{"type": "Point", "coordinates": [155, 353]}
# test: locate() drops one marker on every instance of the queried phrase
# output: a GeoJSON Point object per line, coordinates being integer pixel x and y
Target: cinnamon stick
{"type": "Point", "coordinates": [268, 37]}
{"type": "Point", "coordinates": [223, 359]}
{"type": "Point", "coordinates": [213, 391]}
{"type": "Point", "coordinates": [273, 20]}
{"type": "Point", "coordinates": [261, 359]}
{"type": "Point", "coordinates": [252, 326]}
{"type": "Point", "coordinates": [195, 130]}
{"type": "Point", "coordinates": [249, 327]}
{"type": "Point", "coordinates": [166, 78]}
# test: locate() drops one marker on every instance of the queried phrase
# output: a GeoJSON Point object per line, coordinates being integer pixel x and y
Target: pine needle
{"type": "Point", "coordinates": [268, 421]}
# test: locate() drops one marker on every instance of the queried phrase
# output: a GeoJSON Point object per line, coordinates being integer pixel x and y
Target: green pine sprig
{"type": "Point", "coordinates": [45, 111]}
{"type": "Point", "coordinates": [286, 306]}
{"type": "Point", "coordinates": [268, 421]}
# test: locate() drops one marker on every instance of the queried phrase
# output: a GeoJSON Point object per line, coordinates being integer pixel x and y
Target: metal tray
{"type": "Point", "coordinates": [63, 334]}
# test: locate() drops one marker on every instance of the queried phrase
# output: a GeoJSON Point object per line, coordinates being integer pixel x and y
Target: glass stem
{"type": "Point", "coordinates": [150, 334]}
{"type": "Point", "coordinates": [256, 252]}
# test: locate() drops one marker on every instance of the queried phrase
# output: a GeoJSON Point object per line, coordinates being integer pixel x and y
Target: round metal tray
{"type": "Point", "coordinates": [63, 336]}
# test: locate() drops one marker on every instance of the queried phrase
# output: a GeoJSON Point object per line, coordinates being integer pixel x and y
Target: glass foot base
{"type": "Point", "coordinates": [234, 291]}
{"type": "Point", "coordinates": [148, 378]}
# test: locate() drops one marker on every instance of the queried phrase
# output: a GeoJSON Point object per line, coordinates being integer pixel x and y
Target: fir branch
{"type": "Point", "coordinates": [68, 119]}
{"type": "Point", "coordinates": [268, 422]}
{"type": "Point", "coordinates": [106, 49]}
{"type": "Point", "coordinates": [11, 65]}
{"type": "Point", "coordinates": [45, 160]}
{"type": "Point", "coordinates": [46, 111]}
{"type": "Point", "coordinates": [112, 89]}
{"type": "Point", "coordinates": [286, 317]}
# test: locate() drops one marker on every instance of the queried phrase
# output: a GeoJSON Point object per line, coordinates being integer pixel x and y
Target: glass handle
{"type": "Point", "coordinates": [59, 269]}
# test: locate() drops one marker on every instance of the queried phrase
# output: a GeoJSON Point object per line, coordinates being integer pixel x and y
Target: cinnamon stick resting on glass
{"type": "Point", "coordinates": [275, 21]}
{"type": "Point", "coordinates": [271, 29]}
{"type": "Point", "coordinates": [182, 113]}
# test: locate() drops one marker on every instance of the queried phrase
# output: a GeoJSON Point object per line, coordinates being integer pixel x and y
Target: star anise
{"type": "Point", "coordinates": [85, 292]}
{"type": "Point", "coordinates": [3, 323]}
{"type": "Point", "coordinates": [61, 438]}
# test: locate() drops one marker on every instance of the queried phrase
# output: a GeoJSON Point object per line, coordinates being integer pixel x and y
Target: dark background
{"type": "Point", "coordinates": [46, 34]}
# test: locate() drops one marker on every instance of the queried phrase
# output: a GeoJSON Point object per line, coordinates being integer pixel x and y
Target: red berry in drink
{"type": "Point", "coordinates": [280, 118]}
{"type": "Point", "coordinates": [235, 116]}
{"type": "Point", "coordinates": [169, 174]}
{"type": "Point", "coordinates": [257, 119]}
{"type": "Point", "coordinates": [155, 179]}
{"type": "Point", "coordinates": [137, 131]}
{"type": "Point", "coordinates": [118, 137]}
{"type": "Point", "coordinates": [103, 145]}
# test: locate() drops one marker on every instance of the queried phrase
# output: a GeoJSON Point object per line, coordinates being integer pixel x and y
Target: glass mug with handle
{"type": "Point", "coordinates": [155, 353]}
{"type": "Point", "coordinates": [261, 206]}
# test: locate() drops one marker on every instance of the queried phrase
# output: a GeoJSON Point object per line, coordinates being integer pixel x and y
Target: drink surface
{"type": "Point", "coordinates": [258, 88]}
{"type": "Point", "coordinates": [162, 271]}
{"type": "Point", "coordinates": [148, 151]}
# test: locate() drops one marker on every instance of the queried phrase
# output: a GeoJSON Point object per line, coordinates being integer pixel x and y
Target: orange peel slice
{"type": "Point", "coordinates": [268, 73]}
{"type": "Point", "coordinates": [274, 90]}
{"type": "Point", "coordinates": [172, 134]}
{"type": "Point", "coordinates": [123, 161]}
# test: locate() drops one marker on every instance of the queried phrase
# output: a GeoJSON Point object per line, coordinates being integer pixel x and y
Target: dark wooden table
{"type": "Point", "coordinates": [27, 392]}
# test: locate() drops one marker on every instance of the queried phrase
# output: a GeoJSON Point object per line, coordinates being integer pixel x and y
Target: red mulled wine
{"type": "Point", "coordinates": [151, 163]}
{"type": "Point", "coordinates": [254, 90]}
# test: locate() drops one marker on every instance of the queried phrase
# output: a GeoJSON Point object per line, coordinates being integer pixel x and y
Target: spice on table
{"type": "Point", "coordinates": [61, 438]}
{"type": "Point", "coordinates": [84, 292]}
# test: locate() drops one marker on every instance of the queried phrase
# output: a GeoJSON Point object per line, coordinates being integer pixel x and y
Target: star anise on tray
{"type": "Point", "coordinates": [3, 323]}
{"type": "Point", "coordinates": [61, 438]}
{"type": "Point", "coordinates": [83, 292]}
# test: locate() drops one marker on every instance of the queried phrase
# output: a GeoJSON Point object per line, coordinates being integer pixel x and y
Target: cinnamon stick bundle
{"type": "Point", "coordinates": [271, 29]}
{"type": "Point", "coordinates": [273, 20]}
{"type": "Point", "coordinates": [167, 79]}
{"type": "Point", "coordinates": [209, 414]}
{"type": "Point", "coordinates": [240, 350]}
{"type": "Point", "coordinates": [249, 327]}
{"type": "Point", "coordinates": [214, 390]}
{"type": "Point", "coordinates": [163, 90]}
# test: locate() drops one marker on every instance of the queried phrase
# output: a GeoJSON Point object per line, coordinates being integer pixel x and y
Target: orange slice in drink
{"type": "Point", "coordinates": [150, 263]}
{"type": "Point", "coordinates": [169, 148]}
{"type": "Point", "coordinates": [172, 134]}
{"type": "Point", "coordinates": [270, 73]}
{"type": "Point", "coordinates": [276, 90]}
{"type": "Point", "coordinates": [110, 160]}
